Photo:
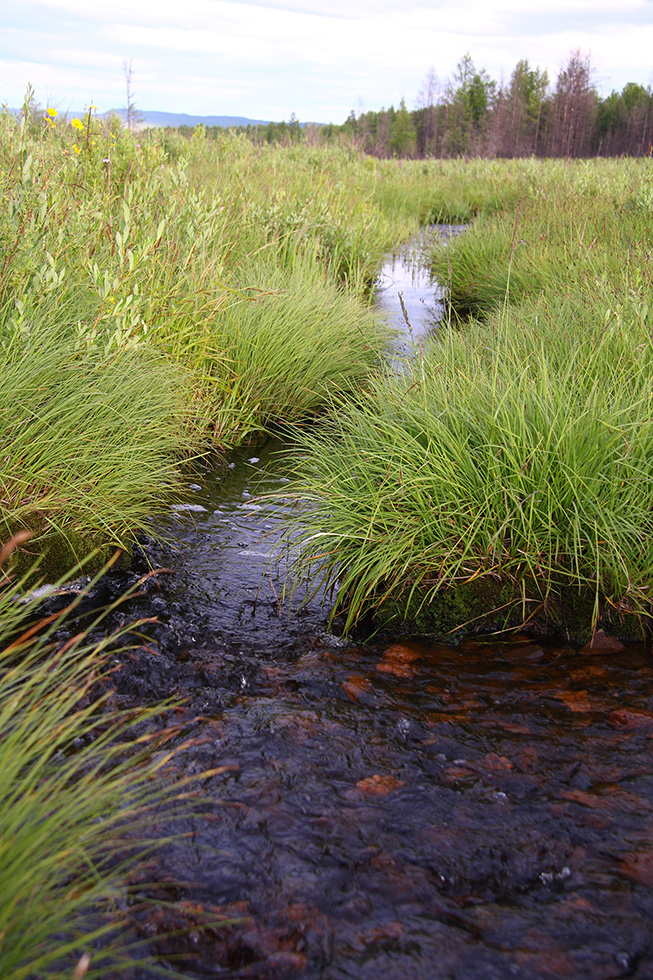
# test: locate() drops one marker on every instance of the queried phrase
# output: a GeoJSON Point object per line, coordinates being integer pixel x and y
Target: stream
{"type": "Point", "coordinates": [381, 810]}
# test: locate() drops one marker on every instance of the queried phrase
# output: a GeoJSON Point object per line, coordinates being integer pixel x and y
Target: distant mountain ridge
{"type": "Point", "coordinates": [156, 118]}
{"type": "Point", "coordinates": [153, 117]}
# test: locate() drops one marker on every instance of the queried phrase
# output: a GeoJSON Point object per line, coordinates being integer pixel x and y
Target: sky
{"type": "Point", "coordinates": [265, 59]}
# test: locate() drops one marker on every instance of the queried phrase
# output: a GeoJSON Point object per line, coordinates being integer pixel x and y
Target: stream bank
{"type": "Point", "coordinates": [391, 810]}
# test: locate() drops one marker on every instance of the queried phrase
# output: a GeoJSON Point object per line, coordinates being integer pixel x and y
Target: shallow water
{"type": "Point", "coordinates": [385, 810]}
{"type": "Point", "coordinates": [413, 810]}
{"type": "Point", "coordinates": [409, 294]}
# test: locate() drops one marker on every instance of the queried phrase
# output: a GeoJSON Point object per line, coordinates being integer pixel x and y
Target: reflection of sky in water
{"type": "Point", "coordinates": [403, 277]}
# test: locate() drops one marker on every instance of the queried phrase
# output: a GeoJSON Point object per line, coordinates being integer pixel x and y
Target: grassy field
{"type": "Point", "coordinates": [510, 467]}
{"type": "Point", "coordinates": [164, 297]}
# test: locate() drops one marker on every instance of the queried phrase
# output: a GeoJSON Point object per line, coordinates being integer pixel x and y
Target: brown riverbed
{"type": "Point", "coordinates": [390, 810]}
{"type": "Point", "coordinates": [381, 810]}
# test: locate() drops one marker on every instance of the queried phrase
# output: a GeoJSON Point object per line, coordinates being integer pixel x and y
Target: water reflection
{"type": "Point", "coordinates": [409, 294]}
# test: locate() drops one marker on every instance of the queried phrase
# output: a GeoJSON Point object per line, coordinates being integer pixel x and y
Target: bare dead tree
{"type": "Point", "coordinates": [574, 108]}
{"type": "Point", "coordinates": [133, 117]}
{"type": "Point", "coordinates": [426, 101]}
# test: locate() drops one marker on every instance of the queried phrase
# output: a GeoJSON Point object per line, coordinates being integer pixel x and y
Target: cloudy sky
{"type": "Point", "coordinates": [318, 58]}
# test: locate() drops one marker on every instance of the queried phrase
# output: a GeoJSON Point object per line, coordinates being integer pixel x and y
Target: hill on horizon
{"type": "Point", "coordinates": [152, 117]}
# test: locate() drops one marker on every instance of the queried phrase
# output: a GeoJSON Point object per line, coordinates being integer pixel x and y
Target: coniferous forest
{"type": "Point", "coordinates": [472, 115]}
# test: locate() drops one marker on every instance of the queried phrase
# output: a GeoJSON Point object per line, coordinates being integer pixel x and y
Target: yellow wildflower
{"type": "Point", "coordinates": [52, 113]}
{"type": "Point", "coordinates": [77, 124]}
{"type": "Point", "coordinates": [76, 148]}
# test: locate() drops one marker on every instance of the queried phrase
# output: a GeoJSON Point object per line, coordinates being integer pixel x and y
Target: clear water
{"type": "Point", "coordinates": [391, 811]}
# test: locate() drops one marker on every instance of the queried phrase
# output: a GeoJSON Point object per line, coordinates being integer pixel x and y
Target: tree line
{"type": "Point", "coordinates": [473, 115]}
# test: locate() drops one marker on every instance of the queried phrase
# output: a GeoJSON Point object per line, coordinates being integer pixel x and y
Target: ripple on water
{"type": "Point", "coordinates": [391, 811]}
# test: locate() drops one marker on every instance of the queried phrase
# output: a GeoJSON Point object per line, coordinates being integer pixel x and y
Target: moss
{"type": "Point", "coordinates": [58, 556]}
{"type": "Point", "coordinates": [488, 605]}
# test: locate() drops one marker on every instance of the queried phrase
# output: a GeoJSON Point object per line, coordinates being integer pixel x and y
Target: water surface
{"type": "Point", "coordinates": [392, 811]}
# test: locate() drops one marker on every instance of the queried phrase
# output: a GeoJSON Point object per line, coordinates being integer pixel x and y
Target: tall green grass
{"type": "Point", "coordinates": [569, 226]}
{"type": "Point", "coordinates": [87, 440]}
{"type": "Point", "coordinates": [78, 779]}
{"type": "Point", "coordinates": [510, 463]}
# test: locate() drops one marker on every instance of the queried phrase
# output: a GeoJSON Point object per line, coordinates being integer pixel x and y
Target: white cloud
{"type": "Point", "coordinates": [318, 57]}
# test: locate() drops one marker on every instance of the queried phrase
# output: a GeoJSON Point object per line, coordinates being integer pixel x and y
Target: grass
{"type": "Point", "coordinates": [511, 463]}
{"type": "Point", "coordinates": [568, 228]}
{"type": "Point", "coordinates": [293, 343]}
{"type": "Point", "coordinates": [73, 422]}
{"type": "Point", "coordinates": [167, 297]}
{"type": "Point", "coordinates": [77, 781]}
{"type": "Point", "coordinates": [446, 191]}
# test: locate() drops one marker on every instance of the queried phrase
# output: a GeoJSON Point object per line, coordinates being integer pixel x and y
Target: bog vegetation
{"type": "Point", "coordinates": [163, 298]}
{"type": "Point", "coordinates": [160, 299]}
{"type": "Point", "coordinates": [507, 470]}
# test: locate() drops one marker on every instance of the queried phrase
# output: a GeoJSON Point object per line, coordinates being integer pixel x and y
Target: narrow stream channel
{"type": "Point", "coordinates": [387, 811]}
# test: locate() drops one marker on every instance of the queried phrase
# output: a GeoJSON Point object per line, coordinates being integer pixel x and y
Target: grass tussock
{"type": "Point", "coordinates": [87, 442]}
{"type": "Point", "coordinates": [516, 452]}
